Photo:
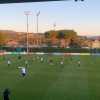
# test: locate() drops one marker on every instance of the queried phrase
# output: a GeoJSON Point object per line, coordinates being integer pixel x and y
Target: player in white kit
{"type": "Point", "coordinates": [9, 62]}
{"type": "Point", "coordinates": [41, 59]}
{"type": "Point", "coordinates": [61, 62]}
{"type": "Point", "coordinates": [23, 71]}
{"type": "Point", "coordinates": [79, 63]}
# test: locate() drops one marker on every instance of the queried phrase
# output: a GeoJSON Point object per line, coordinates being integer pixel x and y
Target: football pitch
{"type": "Point", "coordinates": [46, 81]}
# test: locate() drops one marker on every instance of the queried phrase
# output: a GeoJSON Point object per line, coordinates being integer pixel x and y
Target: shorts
{"type": "Point", "coordinates": [23, 74]}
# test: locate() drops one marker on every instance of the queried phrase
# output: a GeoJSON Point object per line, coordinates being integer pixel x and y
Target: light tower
{"type": "Point", "coordinates": [27, 13]}
{"type": "Point", "coordinates": [54, 26]}
{"type": "Point", "coordinates": [37, 15]}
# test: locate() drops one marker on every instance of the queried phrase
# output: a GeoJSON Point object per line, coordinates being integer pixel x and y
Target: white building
{"type": "Point", "coordinates": [96, 44]}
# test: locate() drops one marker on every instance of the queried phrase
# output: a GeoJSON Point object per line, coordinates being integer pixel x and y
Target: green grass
{"type": "Point", "coordinates": [51, 82]}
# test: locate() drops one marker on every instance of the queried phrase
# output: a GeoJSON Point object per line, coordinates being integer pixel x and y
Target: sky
{"type": "Point", "coordinates": [83, 17]}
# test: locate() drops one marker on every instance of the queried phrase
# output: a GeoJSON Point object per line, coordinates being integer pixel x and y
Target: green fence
{"type": "Point", "coordinates": [50, 49]}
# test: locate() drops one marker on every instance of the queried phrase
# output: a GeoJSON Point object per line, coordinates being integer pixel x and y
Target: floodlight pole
{"type": "Point", "coordinates": [54, 26]}
{"type": "Point", "coordinates": [37, 15]}
{"type": "Point", "coordinates": [27, 26]}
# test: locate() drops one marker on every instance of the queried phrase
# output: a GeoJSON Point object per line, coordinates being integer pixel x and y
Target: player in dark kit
{"type": "Point", "coordinates": [26, 63]}
{"type": "Point", "coordinates": [50, 61]}
{"type": "Point", "coordinates": [19, 57]}
{"type": "Point", "coordinates": [6, 94]}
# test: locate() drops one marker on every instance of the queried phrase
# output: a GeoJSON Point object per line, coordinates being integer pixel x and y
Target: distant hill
{"type": "Point", "coordinates": [9, 34]}
{"type": "Point", "coordinates": [91, 37]}
{"type": "Point", "coordinates": [13, 35]}
{"type": "Point", "coordinates": [94, 37]}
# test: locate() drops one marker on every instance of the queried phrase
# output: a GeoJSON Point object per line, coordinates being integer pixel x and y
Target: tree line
{"type": "Point", "coordinates": [60, 38]}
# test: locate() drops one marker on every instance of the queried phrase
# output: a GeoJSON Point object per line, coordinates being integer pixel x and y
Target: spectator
{"type": "Point", "coordinates": [6, 94]}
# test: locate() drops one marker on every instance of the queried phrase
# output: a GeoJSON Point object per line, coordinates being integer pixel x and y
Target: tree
{"type": "Point", "coordinates": [47, 35]}
{"type": "Point", "coordinates": [68, 35]}
{"type": "Point", "coordinates": [51, 37]}
{"type": "Point", "coordinates": [61, 36]}
{"type": "Point", "coordinates": [74, 44]}
{"type": "Point", "coordinates": [50, 34]}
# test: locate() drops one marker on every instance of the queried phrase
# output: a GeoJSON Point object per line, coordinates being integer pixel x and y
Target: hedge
{"type": "Point", "coordinates": [51, 49]}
